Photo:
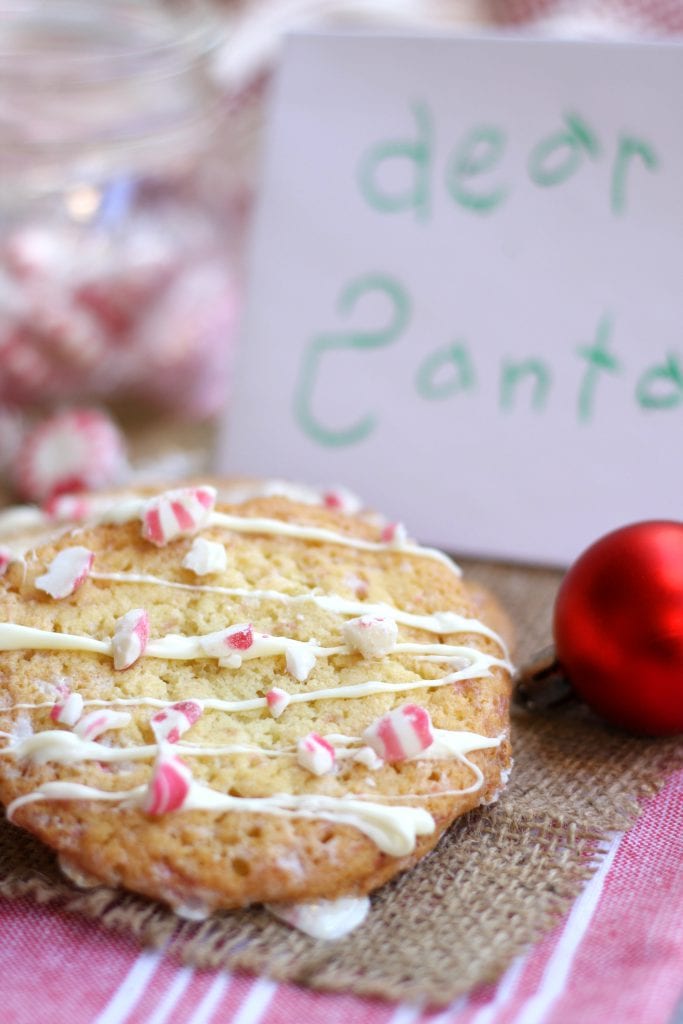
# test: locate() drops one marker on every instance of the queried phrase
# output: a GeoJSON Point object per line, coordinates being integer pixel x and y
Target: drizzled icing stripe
{"type": "Point", "coordinates": [479, 668]}
{"type": "Point", "coordinates": [14, 637]}
{"type": "Point", "coordinates": [437, 622]}
{"type": "Point", "coordinates": [64, 747]}
{"type": "Point", "coordinates": [133, 508]}
{"type": "Point", "coordinates": [393, 830]}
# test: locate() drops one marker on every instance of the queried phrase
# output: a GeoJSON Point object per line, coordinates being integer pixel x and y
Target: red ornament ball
{"type": "Point", "coordinates": [618, 627]}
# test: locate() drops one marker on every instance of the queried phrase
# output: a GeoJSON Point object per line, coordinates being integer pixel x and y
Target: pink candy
{"type": "Point", "coordinates": [400, 734]}
{"type": "Point", "coordinates": [75, 450]}
{"type": "Point", "coordinates": [6, 556]}
{"type": "Point", "coordinates": [169, 786]}
{"type": "Point", "coordinates": [66, 573]}
{"type": "Point", "coordinates": [131, 636]}
{"type": "Point", "coordinates": [68, 712]}
{"type": "Point", "coordinates": [68, 508]}
{"type": "Point", "coordinates": [394, 533]}
{"type": "Point", "coordinates": [97, 722]}
{"type": "Point", "coordinates": [239, 638]}
{"type": "Point", "coordinates": [371, 635]}
{"type": "Point", "coordinates": [227, 644]}
{"type": "Point", "coordinates": [315, 754]}
{"type": "Point", "coordinates": [171, 723]}
{"type": "Point", "coordinates": [342, 500]}
{"type": "Point", "coordinates": [277, 700]}
{"type": "Point", "coordinates": [177, 513]}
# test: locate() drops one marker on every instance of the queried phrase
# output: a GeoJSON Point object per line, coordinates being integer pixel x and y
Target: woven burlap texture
{"type": "Point", "coordinates": [498, 880]}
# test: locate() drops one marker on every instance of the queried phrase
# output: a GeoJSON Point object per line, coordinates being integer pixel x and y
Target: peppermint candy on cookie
{"type": "Point", "coordinates": [205, 557]}
{"type": "Point", "coordinates": [371, 635]}
{"type": "Point", "coordinates": [169, 786]}
{"type": "Point", "coordinates": [171, 723]}
{"type": "Point", "coordinates": [131, 636]}
{"type": "Point", "coordinates": [69, 711]}
{"type": "Point", "coordinates": [98, 722]}
{"type": "Point", "coordinates": [178, 513]}
{"type": "Point", "coordinates": [400, 734]}
{"type": "Point", "coordinates": [228, 644]}
{"type": "Point", "coordinates": [277, 701]}
{"type": "Point", "coordinates": [315, 754]}
{"type": "Point", "coordinates": [67, 571]}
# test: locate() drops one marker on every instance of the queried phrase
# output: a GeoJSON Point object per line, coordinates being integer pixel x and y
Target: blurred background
{"type": "Point", "coordinates": [130, 135]}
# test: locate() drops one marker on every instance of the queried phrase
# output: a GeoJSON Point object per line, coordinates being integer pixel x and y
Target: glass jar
{"type": "Point", "coordinates": [115, 229]}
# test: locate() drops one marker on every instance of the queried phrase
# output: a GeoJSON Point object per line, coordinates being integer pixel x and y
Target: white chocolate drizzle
{"type": "Point", "coordinates": [394, 830]}
{"type": "Point", "coordinates": [441, 623]}
{"type": "Point", "coordinates": [173, 647]}
{"type": "Point", "coordinates": [131, 509]}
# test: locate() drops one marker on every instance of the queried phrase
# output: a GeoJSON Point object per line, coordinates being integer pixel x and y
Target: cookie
{"type": "Point", "coordinates": [270, 701]}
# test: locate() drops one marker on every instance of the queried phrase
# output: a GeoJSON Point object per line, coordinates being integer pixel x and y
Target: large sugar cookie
{"type": "Point", "coordinates": [270, 701]}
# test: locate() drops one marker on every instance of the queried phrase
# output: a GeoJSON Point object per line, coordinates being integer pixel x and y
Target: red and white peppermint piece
{"type": "Point", "coordinates": [177, 514]}
{"type": "Point", "coordinates": [131, 636]}
{"type": "Point", "coordinates": [66, 572]}
{"type": "Point", "coordinates": [205, 557]}
{"type": "Point", "coordinates": [75, 450]}
{"type": "Point", "coordinates": [68, 508]}
{"type": "Point", "coordinates": [277, 700]}
{"type": "Point", "coordinates": [69, 711]}
{"type": "Point", "coordinates": [371, 635]}
{"type": "Point", "coordinates": [97, 722]}
{"type": "Point", "coordinates": [400, 734]}
{"type": "Point", "coordinates": [367, 756]}
{"type": "Point", "coordinates": [6, 557]}
{"type": "Point", "coordinates": [315, 754]}
{"type": "Point", "coordinates": [342, 500]}
{"type": "Point", "coordinates": [172, 722]}
{"type": "Point", "coordinates": [300, 659]}
{"type": "Point", "coordinates": [169, 786]}
{"type": "Point", "coordinates": [228, 644]}
{"type": "Point", "coordinates": [394, 534]}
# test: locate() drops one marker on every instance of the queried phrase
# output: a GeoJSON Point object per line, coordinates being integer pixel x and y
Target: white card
{"type": "Point", "coordinates": [466, 287]}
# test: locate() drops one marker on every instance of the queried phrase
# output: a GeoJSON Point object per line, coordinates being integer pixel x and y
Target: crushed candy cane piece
{"type": "Point", "coordinates": [400, 734]}
{"type": "Point", "coordinates": [97, 722]}
{"type": "Point", "coordinates": [177, 513]}
{"type": "Point", "coordinates": [368, 757]}
{"type": "Point", "coordinates": [131, 636]}
{"type": "Point", "coordinates": [171, 723]}
{"type": "Point", "coordinates": [315, 754]}
{"type": "Point", "coordinates": [341, 499]}
{"type": "Point", "coordinates": [68, 712]}
{"type": "Point", "coordinates": [205, 557]}
{"type": "Point", "coordinates": [395, 534]}
{"type": "Point", "coordinates": [300, 660]}
{"type": "Point", "coordinates": [74, 450]}
{"type": "Point", "coordinates": [226, 643]}
{"type": "Point", "coordinates": [6, 557]}
{"type": "Point", "coordinates": [68, 507]}
{"type": "Point", "coordinates": [169, 786]}
{"type": "Point", "coordinates": [277, 700]}
{"type": "Point", "coordinates": [66, 572]}
{"type": "Point", "coordinates": [371, 635]}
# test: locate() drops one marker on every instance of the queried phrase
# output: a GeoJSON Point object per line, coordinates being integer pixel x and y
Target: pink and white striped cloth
{"type": "Point", "coordinates": [618, 957]}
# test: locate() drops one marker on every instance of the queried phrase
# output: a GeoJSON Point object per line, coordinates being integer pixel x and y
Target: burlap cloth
{"type": "Point", "coordinates": [500, 878]}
